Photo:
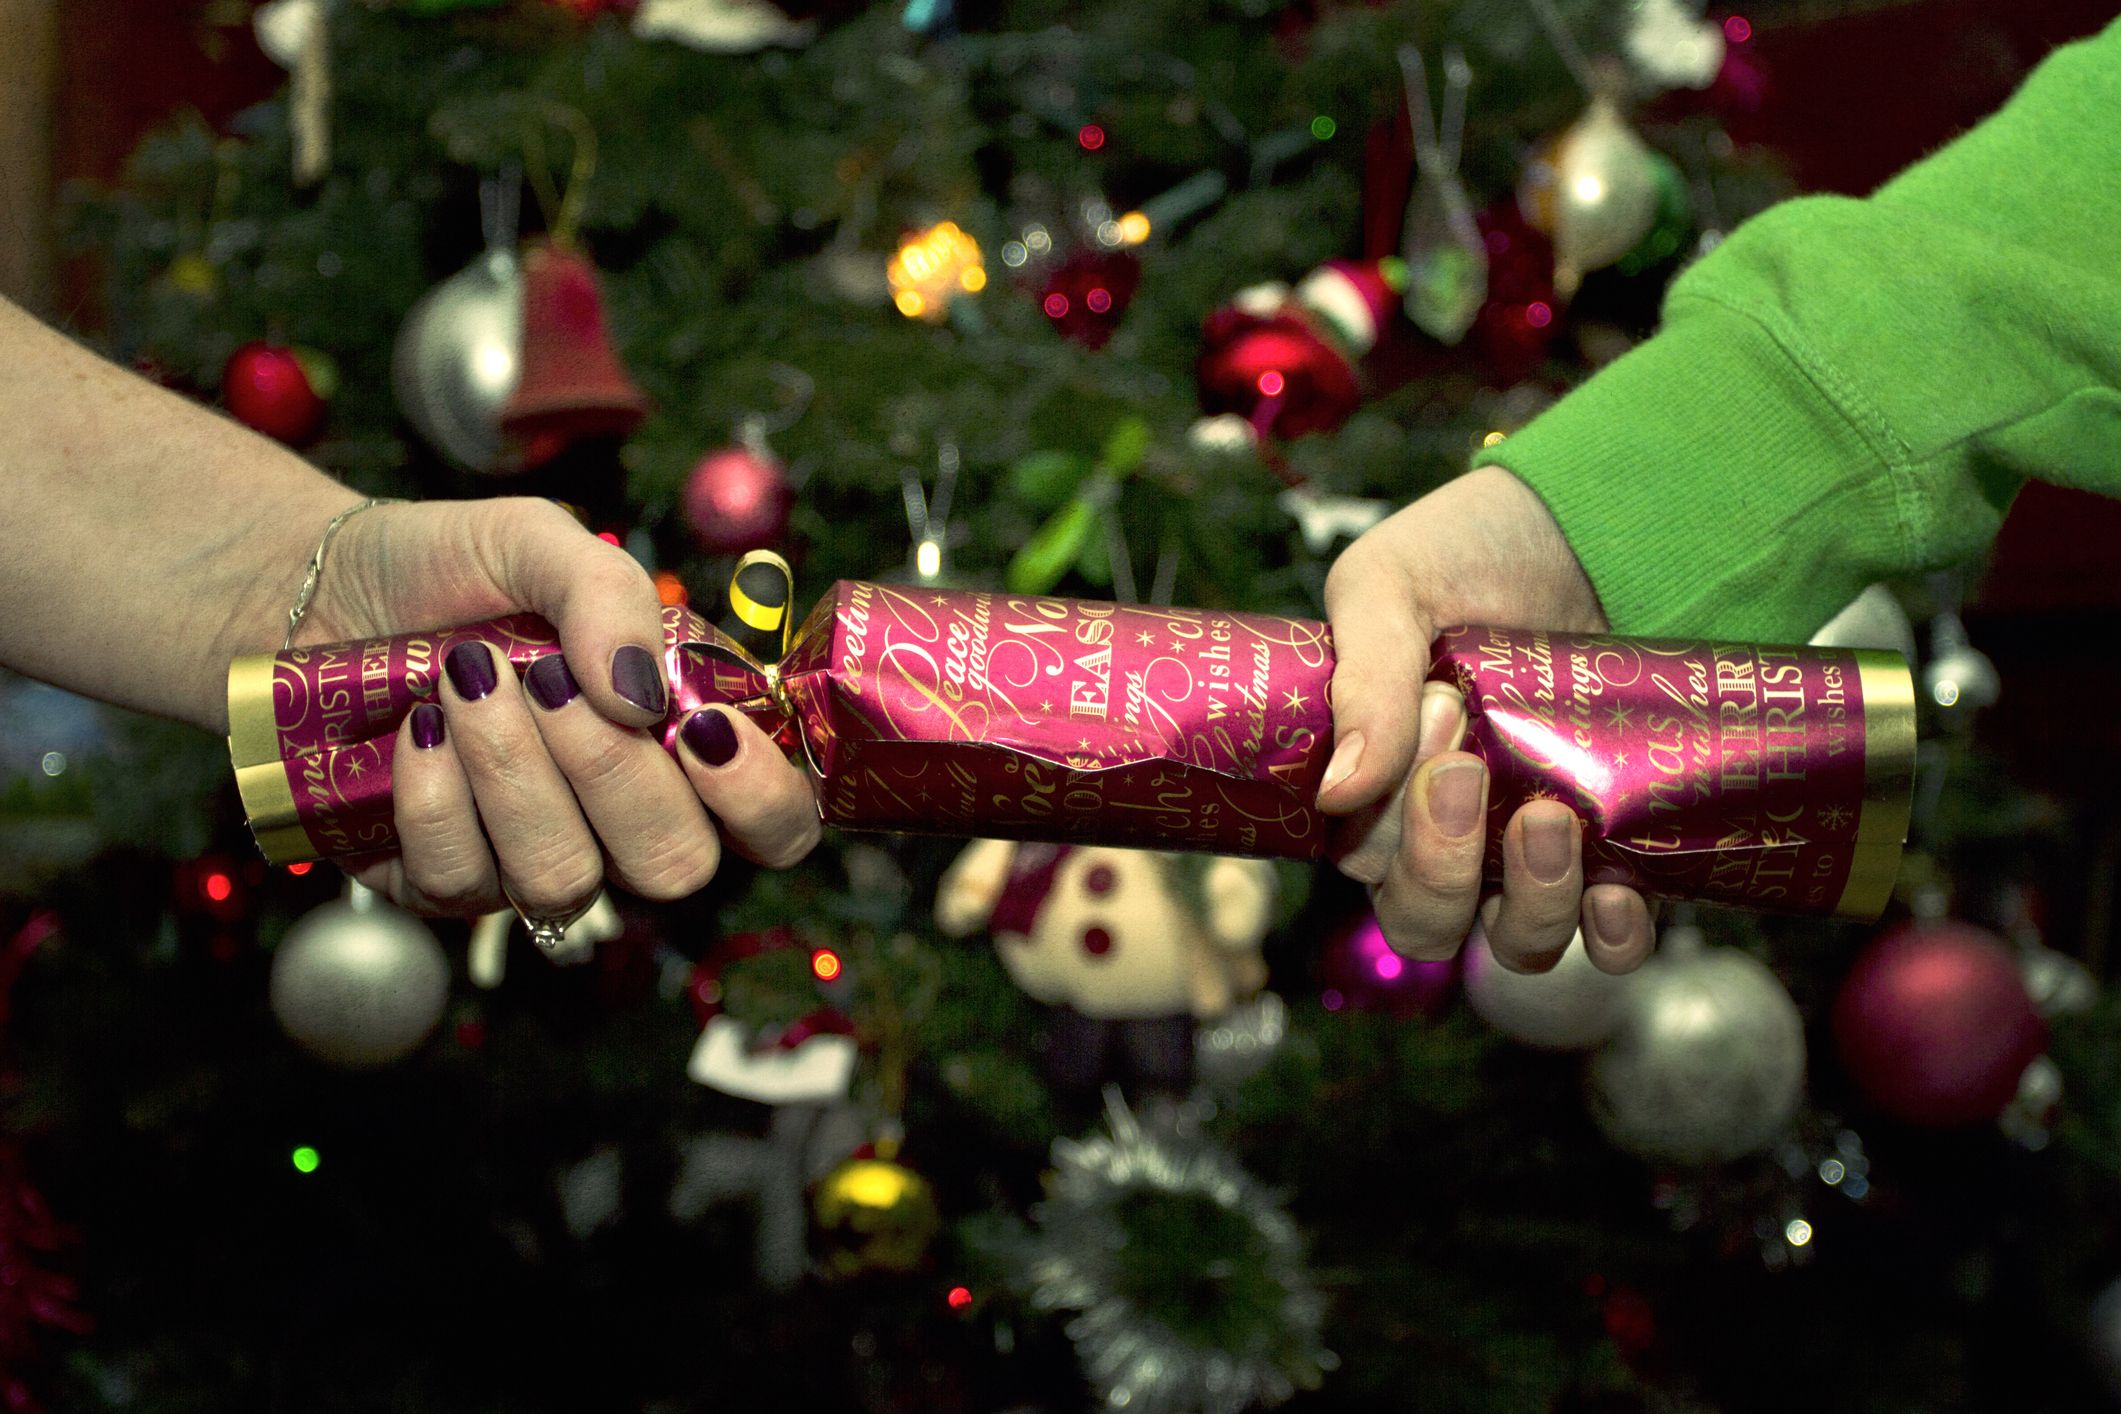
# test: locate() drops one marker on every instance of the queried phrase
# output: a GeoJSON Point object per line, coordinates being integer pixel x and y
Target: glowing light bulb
{"type": "Point", "coordinates": [305, 1159]}
{"type": "Point", "coordinates": [959, 1298]}
{"type": "Point", "coordinates": [1134, 227]}
{"type": "Point", "coordinates": [1492, 438]}
{"type": "Point", "coordinates": [1091, 136]}
{"type": "Point", "coordinates": [825, 964]}
{"type": "Point", "coordinates": [1271, 383]}
{"type": "Point", "coordinates": [298, 870]}
{"type": "Point", "coordinates": [217, 887]}
{"type": "Point", "coordinates": [1737, 29]}
{"type": "Point", "coordinates": [1797, 1232]}
{"type": "Point", "coordinates": [928, 559]}
{"type": "Point", "coordinates": [54, 763]}
{"type": "Point", "coordinates": [1323, 127]}
{"type": "Point", "coordinates": [1056, 305]}
{"type": "Point", "coordinates": [1588, 189]}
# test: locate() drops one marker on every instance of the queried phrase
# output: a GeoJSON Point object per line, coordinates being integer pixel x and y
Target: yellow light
{"type": "Point", "coordinates": [1798, 1232]}
{"type": "Point", "coordinates": [928, 559]}
{"type": "Point", "coordinates": [871, 1183]}
{"type": "Point", "coordinates": [1492, 438]}
{"type": "Point", "coordinates": [825, 964]}
{"type": "Point", "coordinates": [973, 279]}
{"type": "Point", "coordinates": [1134, 228]}
{"type": "Point", "coordinates": [931, 267]}
{"type": "Point", "coordinates": [910, 304]}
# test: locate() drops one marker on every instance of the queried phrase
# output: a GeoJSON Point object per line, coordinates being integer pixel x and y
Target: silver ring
{"type": "Point", "coordinates": [549, 930]}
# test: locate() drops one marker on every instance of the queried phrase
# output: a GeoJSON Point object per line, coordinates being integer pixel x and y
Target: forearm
{"type": "Point", "coordinates": [149, 540]}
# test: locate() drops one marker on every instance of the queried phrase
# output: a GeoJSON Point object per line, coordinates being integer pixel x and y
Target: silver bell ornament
{"type": "Point", "coordinates": [1571, 1008]}
{"type": "Point", "coordinates": [459, 353]}
{"type": "Point", "coordinates": [1706, 1061]}
{"type": "Point", "coordinates": [359, 982]}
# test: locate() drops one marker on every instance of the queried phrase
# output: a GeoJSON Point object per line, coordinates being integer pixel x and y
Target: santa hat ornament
{"type": "Point", "coordinates": [1282, 363]}
{"type": "Point", "coordinates": [571, 385]}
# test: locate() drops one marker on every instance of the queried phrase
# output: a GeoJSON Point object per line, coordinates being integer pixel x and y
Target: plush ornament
{"type": "Point", "coordinates": [1673, 46]}
{"type": "Point", "coordinates": [359, 982]}
{"type": "Point", "coordinates": [457, 358]}
{"type": "Point", "coordinates": [808, 1062]}
{"type": "Point", "coordinates": [1086, 294]}
{"type": "Point", "coordinates": [874, 1215]}
{"type": "Point", "coordinates": [1570, 1008]}
{"type": "Point", "coordinates": [1286, 361]}
{"type": "Point", "coordinates": [738, 499]}
{"type": "Point", "coordinates": [1705, 1062]}
{"type": "Point", "coordinates": [1935, 1025]}
{"type": "Point", "coordinates": [1522, 313]}
{"type": "Point", "coordinates": [571, 384]}
{"type": "Point", "coordinates": [721, 26]}
{"type": "Point", "coordinates": [281, 392]}
{"type": "Point", "coordinates": [1594, 190]}
{"type": "Point", "coordinates": [1132, 947]}
{"type": "Point", "coordinates": [1322, 519]}
{"type": "Point", "coordinates": [1362, 972]}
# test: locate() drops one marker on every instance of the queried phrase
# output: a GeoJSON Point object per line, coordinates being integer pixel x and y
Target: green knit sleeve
{"type": "Point", "coordinates": [1845, 389]}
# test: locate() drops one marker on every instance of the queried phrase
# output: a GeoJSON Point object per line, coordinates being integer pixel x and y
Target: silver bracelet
{"type": "Point", "coordinates": [308, 593]}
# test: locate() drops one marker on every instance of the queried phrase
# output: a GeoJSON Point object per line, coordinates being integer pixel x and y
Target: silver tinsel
{"type": "Point", "coordinates": [1136, 1361]}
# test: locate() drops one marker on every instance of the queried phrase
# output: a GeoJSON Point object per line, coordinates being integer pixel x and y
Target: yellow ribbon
{"type": "Point", "coordinates": [756, 613]}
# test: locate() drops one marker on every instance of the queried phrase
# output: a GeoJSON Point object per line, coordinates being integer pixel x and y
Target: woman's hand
{"type": "Point", "coordinates": [559, 768]}
{"type": "Point", "coordinates": [1479, 550]}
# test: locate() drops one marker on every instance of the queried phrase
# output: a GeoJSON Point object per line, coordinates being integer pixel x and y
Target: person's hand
{"type": "Point", "coordinates": [1481, 549]}
{"type": "Point", "coordinates": [558, 768]}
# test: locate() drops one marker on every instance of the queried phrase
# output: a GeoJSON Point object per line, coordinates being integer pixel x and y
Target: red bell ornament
{"type": "Point", "coordinates": [571, 384]}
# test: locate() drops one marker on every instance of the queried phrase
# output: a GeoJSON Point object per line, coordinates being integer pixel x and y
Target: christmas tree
{"type": "Point", "coordinates": [1161, 302]}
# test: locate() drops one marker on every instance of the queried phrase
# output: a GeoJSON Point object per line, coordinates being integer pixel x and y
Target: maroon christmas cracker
{"type": "Point", "coordinates": [1774, 778]}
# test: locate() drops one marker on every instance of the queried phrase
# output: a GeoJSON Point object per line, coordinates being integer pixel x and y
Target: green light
{"type": "Point", "coordinates": [1323, 127]}
{"type": "Point", "coordinates": [305, 1159]}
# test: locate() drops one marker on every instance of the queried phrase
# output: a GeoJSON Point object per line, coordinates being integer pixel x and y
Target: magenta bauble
{"type": "Point", "coordinates": [738, 499]}
{"type": "Point", "coordinates": [1935, 1026]}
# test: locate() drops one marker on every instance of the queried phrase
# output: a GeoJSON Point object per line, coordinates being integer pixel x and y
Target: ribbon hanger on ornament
{"type": "Point", "coordinates": [561, 204]}
{"type": "Point", "coordinates": [1447, 261]}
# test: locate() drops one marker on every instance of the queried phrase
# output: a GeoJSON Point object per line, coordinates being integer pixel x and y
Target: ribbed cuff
{"type": "Point", "coordinates": [1710, 485]}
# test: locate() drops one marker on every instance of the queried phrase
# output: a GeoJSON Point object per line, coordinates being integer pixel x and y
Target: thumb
{"type": "Point", "coordinates": [606, 609]}
{"type": "Point", "coordinates": [1381, 646]}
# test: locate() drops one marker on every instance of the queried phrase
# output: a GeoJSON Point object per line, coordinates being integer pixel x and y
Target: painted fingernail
{"type": "Point", "coordinates": [551, 683]}
{"type": "Point", "coordinates": [1454, 797]}
{"type": "Point", "coordinates": [1347, 755]}
{"type": "Point", "coordinates": [427, 726]}
{"type": "Point", "coordinates": [470, 668]}
{"type": "Point", "coordinates": [1612, 917]}
{"type": "Point", "coordinates": [1549, 841]}
{"type": "Point", "coordinates": [1441, 714]}
{"type": "Point", "coordinates": [710, 736]}
{"type": "Point", "coordinates": [635, 677]}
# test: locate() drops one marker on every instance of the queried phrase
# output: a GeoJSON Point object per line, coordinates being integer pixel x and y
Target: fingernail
{"type": "Point", "coordinates": [1549, 841]}
{"type": "Point", "coordinates": [427, 726]}
{"type": "Point", "coordinates": [1347, 754]}
{"type": "Point", "coordinates": [710, 736]}
{"type": "Point", "coordinates": [1612, 917]}
{"type": "Point", "coordinates": [635, 677]}
{"type": "Point", "coordinates": [470, 668]}
{"type": "Point", "coordinates": [551, 683]}
{"type": "Point", "coordinates": [1454, 797]}
{"type": "Point", "coordinates": [1440, 716]}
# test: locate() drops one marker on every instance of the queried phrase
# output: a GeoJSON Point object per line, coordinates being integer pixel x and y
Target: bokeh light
{"type": "Point", "coordinates": [1091, 136]}
{"type": "Point", "coordinates": [825, 964]}
{"type": "Point", "coordinates": [305, 1159]}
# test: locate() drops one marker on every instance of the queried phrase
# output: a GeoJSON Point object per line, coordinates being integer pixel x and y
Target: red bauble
{"type": "Point", "coordinates": [738, 499]}
{"type": "Point", "coordinates": [1089, 291]}
{"type": "Point", "coordinates": [270, 388]}
{"type": "Point", "coordinates": [1521, 315]}
{"type": "Point", "coordinates": [1276, 372]}
{"type": "Point", "coordinates": [1935, 1025]}
{"type": "Point", "coordinates": [1360, 971]}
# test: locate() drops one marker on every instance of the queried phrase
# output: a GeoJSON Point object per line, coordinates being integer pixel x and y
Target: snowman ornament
{"type": "Point", "coordinates": [1130, 947]}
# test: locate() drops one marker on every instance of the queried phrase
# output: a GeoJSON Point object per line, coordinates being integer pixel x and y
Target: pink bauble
{"type": "Point", "coordinates": [1934, 1024]}
{"type": "Point", "coordinates": [738, 499]}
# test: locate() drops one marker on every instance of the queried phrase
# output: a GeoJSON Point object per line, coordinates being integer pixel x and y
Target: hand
{"type": "Point", "coordinates": [558, 768]}
{"type": "Point", "coordinates": [1482, 549]}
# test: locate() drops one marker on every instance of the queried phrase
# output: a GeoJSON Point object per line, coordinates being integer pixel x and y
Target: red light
{"type": "Point", "coordinates": [608, 537]}
{"type": "Point", "coordinates": [1737, 29]}
{"type": "Point", "coordinates": [1538, 314]}
{"type": "Point", "coordinates": [825, 964]}
{"type": "Point", "coordinates": [959, 1298]}
{"type": "Point", "coordinates": [1056, 305]}
{"type": "Point", "coordinates": [298, 870]}
{"type": "Point", "coordinates": [217, 887]}
{"type": "Point", "coordinates": [1271, 383]}
{"type": "Point", "coordinates": [1091, 136]}
{"type": "Point", "coordinates": [1099, 300]}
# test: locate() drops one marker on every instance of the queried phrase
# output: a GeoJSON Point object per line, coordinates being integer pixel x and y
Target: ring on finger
{"type": "Point", "coordinates": [549, 930]}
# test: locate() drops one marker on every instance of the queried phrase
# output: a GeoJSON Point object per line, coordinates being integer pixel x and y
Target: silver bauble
{"type": "Point", "coordinates": [359, 985]}
{"type": "Point", "coordinates": [457, 360]}
{"type": "Point", "coordinates": [1706, 1062]}
{"type": "Point", "coordinates": [1873, 619]}
{"type": "Point", "coordinates": [1571, 1008]}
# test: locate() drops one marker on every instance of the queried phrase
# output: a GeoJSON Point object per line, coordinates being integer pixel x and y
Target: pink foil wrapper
{"type": "Point", "coordinates": [1769, 777]}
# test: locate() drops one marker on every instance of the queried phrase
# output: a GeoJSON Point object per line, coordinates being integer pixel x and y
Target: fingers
{"type": "Point", "coordinates": [1542, 887]}
{"type": "Point", "coordinates": [1617, 931]}
{"type": "Point", "coordinates": [444, 864]}
{"type": "Point", "coordinates": [766, 804]}
{"type": "Point", "coordinates": [598, 597]}
{"type": "Point", "coordinates": [1365, 842]}
{"type": "Point", "coordinates": [660, 842]}
{"type": "Point", "coordinates": [1425, 903]}
{"type": "Point", "coordinates": [547, 859]}
{"type": "Point", "coordinates": [1381, 643]}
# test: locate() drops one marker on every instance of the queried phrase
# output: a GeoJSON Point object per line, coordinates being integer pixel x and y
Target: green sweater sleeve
{"type": "Point", "coordinates": [1845, 389]}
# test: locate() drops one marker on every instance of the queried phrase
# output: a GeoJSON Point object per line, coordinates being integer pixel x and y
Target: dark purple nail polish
{"type": "Point", "coordinates": [635, 677]}
{"type": "Point", "coordinates": [427, 726]}
{"type": "Point", "coordinates": [551, 683]}
{"type": "Point", "coordinates": [710, 736]}
{"type": "Point", "coordinates": [470, 668]}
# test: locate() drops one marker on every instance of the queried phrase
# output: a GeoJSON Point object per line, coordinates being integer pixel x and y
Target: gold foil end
{"type": "Point", "coordinates": [1888, 783]}
{"type": "Point", "coordinates": [261, 776]}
